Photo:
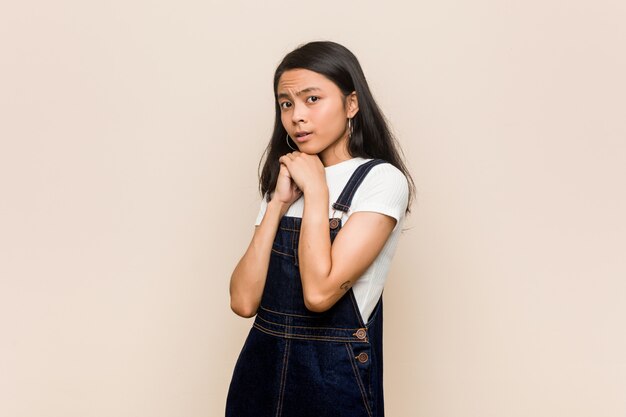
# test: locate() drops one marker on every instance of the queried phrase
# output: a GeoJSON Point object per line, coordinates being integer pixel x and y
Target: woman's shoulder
{"type": "Point", "coordinates": [386, 174]}
{"type": "Point", "coordinates": [384, 189]}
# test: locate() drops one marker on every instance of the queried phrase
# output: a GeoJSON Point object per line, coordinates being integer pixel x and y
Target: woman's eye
{"type": "Point", "coordinates": [282, 105]}
{"type": "Point", "coordinates": [315, 97]}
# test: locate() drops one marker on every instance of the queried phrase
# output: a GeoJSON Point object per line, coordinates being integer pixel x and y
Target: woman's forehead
{"type": "Point", "coordinates": [299, 81]}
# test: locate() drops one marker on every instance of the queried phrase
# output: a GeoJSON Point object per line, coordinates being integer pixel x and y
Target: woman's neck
{"type": "Point", "coordinates": [335, 153]}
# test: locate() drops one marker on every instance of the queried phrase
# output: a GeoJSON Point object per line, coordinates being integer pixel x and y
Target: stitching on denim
{"type": "Point", "coordinates": [283, 377]}
{"type": "Point", "coordinates": [341, 207]}
{"type": "Point", "coordinates": [356, 309]}
{"type": "Point", "coordinates": [291, 230]}
{"type": "Point", "coordinates": [288, 314]}
{"type": "Point", "coordinates": [301, 337]}
{"type": "Point", "coordinates": [369, 379]}
{"type": "Point", "coordinates": [299, 230]}
{"type": "Point", "coordinates": [293, 235]}
{"type": "Point", "coordinates": [353, 183]}
{"type": "Point", "coordinates": [309, 327]}
{"type": "Point", "coordinates": [359, 179]}
{"type": "Point", "coordinates": [358, 380]}
{"type": "Point", "coordinates": [338, 203]}
{"type": "Point", "coordinates": [366, 170]}
{"type": "Point", "coordinates": [282, 253]}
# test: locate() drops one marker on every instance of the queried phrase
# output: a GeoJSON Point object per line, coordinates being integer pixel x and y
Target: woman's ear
{"type": "Point", "coordinates": [352, 105]}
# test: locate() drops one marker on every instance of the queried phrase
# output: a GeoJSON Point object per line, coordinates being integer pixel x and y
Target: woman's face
{"type": "Point", "coordinates": [313, 105]}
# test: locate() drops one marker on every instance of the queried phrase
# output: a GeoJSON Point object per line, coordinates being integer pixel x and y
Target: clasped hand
{"type": "Point", "coordinates": [299, 173]}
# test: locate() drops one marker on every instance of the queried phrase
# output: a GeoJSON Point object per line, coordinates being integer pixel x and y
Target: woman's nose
{"type": "Point", "coordinates": [299, 113]}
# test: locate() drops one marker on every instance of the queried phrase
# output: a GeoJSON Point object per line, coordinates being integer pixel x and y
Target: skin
{"type": "Point", "coordinates": [327, 270]}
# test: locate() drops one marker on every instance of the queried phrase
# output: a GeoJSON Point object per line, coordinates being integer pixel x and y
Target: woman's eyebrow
{"type": "Point", "coordinates": [306, 90]}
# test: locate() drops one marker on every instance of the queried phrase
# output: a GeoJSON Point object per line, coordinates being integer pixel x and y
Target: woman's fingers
{"type": "Point", "coordinates": [288, 157]}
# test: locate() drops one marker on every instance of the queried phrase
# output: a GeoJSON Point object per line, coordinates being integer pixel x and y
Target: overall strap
{"type": "Point", "coordinates": [345, 198]}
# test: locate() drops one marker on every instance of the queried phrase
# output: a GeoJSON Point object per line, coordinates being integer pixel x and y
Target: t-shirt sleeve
{"type": "Point", "coordinates": [262, 209]}
{"type": "Point", "coordinates": [384, 190]}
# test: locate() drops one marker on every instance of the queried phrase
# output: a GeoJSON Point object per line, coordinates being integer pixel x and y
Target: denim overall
{"type": "Point", "coordinates": [297, 363]}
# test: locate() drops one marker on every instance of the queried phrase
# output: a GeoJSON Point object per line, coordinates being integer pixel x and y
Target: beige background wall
{"type": "Point", "coordinates": [130, 137]}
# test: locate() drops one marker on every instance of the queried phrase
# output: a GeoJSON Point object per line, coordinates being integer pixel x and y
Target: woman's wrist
{"type": "Point", "coordinates": [278, 206]}
{"type": "Point", "coordinates": [317, 192]}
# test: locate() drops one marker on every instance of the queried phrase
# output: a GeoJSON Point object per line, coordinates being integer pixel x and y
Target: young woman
{"type": "Point", "coordinates": [336, 193]}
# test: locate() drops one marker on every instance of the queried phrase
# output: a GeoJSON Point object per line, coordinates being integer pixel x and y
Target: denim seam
{"type": "Point", "coordinates": [298, 230]}
{"type": "Point", "coordinates": [353, 183]}
{"type": "Point", "coordinates": [365, 172]}
{"type": "Point", "coordinates": [293, 246]}
{"type": "Point", "coordinates": [358, 182]}
{"type": "Point", "coordinates": [301, 337]}
{"type": "Point", "coordinates": [287, 228]}
{"type": "Point", "coordinates": [282, 253]}
{"type": "Point", "coordinates": [358, 380]}
{"type": "Point", "coordinates": [340, 207]}
{"type": "Point", "coordinates": [311, 327]}
{"type": "Point", "coordinates": [283, 377]}
{"type": "Point", "coordinates": [287, 314]}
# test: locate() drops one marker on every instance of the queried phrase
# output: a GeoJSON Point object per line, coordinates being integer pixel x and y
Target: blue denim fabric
{"type": "Point", "coordinates": [297, 363]}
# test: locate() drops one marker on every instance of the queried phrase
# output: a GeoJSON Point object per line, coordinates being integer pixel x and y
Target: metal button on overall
{"type": "Point", "coordinates": [362, 357]}
{"type": "Point", "coordinates": [361, 334]}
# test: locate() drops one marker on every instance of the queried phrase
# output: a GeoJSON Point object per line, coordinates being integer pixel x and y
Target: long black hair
{"type": "Point", "coordinates": [371, 137]}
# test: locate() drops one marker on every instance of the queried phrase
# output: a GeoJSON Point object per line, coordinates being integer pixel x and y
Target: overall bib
{"type": "Point", "coordinates": [297, 363]}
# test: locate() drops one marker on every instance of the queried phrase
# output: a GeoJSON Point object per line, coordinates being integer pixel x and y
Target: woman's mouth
{"type": "Point", "coordinates": [303, 137]}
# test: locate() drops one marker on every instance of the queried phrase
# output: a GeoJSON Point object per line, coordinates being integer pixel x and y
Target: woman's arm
{"type": "Point", "coordinates": [248, 278]}
{"type": "Point", "coordinates": [328, 271]}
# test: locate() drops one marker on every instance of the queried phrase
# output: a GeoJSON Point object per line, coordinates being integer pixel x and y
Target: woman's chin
{"type": "Point", "coordinates": [307, 148]}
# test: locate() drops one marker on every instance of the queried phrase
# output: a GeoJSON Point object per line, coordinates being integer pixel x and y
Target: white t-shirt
{"type": "Point", "coordinates": [384, 190]}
